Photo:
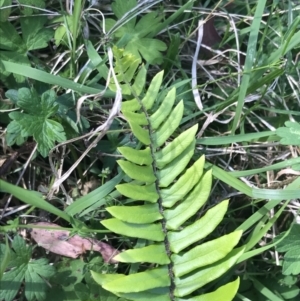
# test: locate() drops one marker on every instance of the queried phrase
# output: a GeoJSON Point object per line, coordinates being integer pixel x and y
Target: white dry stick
{"type": "Point", "coordinates": [103, 128]}
{"type": "Point", "coordinates": [197, 96]}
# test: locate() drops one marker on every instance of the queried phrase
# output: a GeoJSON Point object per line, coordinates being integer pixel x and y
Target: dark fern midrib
{"type": "Point", "coordinates": [161, 208]}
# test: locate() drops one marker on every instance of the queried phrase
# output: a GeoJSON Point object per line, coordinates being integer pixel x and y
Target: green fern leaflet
{"type": "Point", "coordinates": [165, 195]}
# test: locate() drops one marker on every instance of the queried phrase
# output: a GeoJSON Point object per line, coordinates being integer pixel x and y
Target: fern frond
{"type": "Point", "coordinates": [165, 195]}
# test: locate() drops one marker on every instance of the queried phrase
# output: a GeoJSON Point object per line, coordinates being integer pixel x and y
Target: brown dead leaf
{"type": "Point", "coordinates": [60, 242]}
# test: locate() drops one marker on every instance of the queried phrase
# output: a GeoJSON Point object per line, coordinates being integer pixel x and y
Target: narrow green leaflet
{"type": "Point", "coordinates": [290, 134]}
{"type": "Point", "coordinates": [136, 156]}
{"type": "Point", "coordinates": [176, 147]}
{"type": "Point", "coordinates": [198, 230]}
{"type": "Point", "coordinates": [141, 173]}
{"type": "Point", "coordinates": [153, 253]}
{"type": "Point", "coordinates": [191, 204]}
{"type": "Point", "coordinates": [154, 278]}
{"type": "Point", "coordinates": [185, 184]}
{"type": "Point", "coordinates": [127, 70]}
{"type": "Point", "coordinates": [164, 110]}
{"type": "Point", "coordinates": [146, 231]}
{"type": "Point", "coordinates": [34, 121]}
{"type": "Point", "coordinates": [134, 35]}
{"type": "Point", "coordinates": [167, 175]}
{"type": "Point", "coordinates": [223, 293]}
{"type": "Point", "coordinates": [192, 282]}
{"type": "Point", "coordinates": [137, 192]}
{"type": "Point", "coordinates": [205, 254]}
{"type": "Point", "coordinates": [169, 126]}
{"type": "Point", "coordinates": [152, 92]}
{"type": "Point", "coordinates": [22, 267]}
{"type": "Point", "coordinates": [142, 214]}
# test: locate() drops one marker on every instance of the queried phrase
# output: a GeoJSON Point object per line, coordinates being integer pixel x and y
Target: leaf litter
{"type": "Point", "coordinates": [62, 243]}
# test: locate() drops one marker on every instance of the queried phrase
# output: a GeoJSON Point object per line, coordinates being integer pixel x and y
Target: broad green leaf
{"type": "Point", "coordinates": [138, 192]}
{"type": "Point", "coordinates": [207, 274]}
{"type": "Point", "coordinates": [184, 185]}
{"type": "Point", "coordinates": [223, 293]}
{"type": "Point", "coordinates": [136, 172]}
{"type": "Point", "coordinates": [34, 33]}
{"type": "Point", "coordinates": [229, 179]}
{"type": "Point", "coordinates": [137, 156]}
{"type": "Point", "coordinates": [205, 254]}
{"type": "Point", "coordinates": [264, 290]}
{"type": "Point", "coordinates": [275, 194]}
{"type": "Point", "coordinates": [84, 204]}
{"type": "Point", "coordinates": [32, 198]}
{"type": "Point", "coordinates": [169, 126]}
{"type": "Point", "coordinates": [290, 135]}
{"type": "Point", "coordinates": [168, 174]}
{"type": "Point", "coordinates": [199, 229]}
{"type": "Point", "coordinates": [50, 79]}
{"type": "Point", "coordinates": [146, 231]}
{"type": "Point", "coordinates": [191, 204]}
{"type": "Point", "coordinates": [164, 110]}
{"type": "Point", "coordinates": [96, 62]}
{"type": "Point", "coordinates": [153, 254]}
{"type": "Point", "coordinates": [143, 214]}
{"type": "Point", "coordinates": [176, 147]}
{"type": "Point", "coordinates": [154, 278]}
{"type": "Point", "coordinates": [10, 39]}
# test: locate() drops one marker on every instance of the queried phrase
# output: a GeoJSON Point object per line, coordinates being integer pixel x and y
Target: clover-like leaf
{"type": "Point", "coordinates": [29, 5]}
{"type": "Point", "coordinates": [34, 33]}
{"type": "Point", "coordinates": [21, 267]}
{"type": "Point", "coordinates": [134, 34]}
{"type": "Point", "coordinates": [290, 245]}
{"type": "Point", "coordinates": [15, 47]}
{"type": "Point", "coordinates": [290, 135]}
{"type": "Point", "coordinates": [35, 120]}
